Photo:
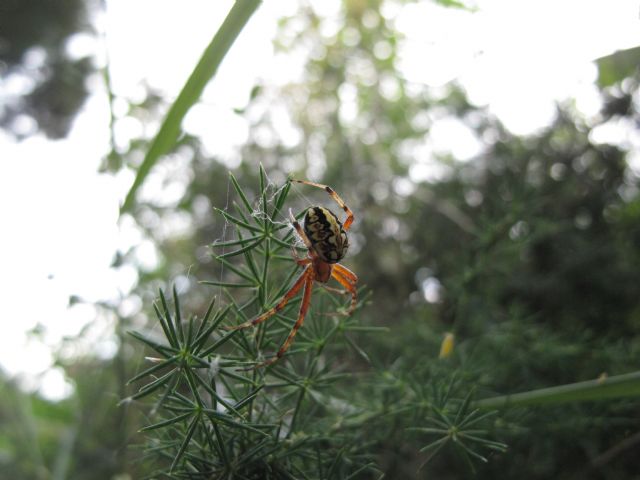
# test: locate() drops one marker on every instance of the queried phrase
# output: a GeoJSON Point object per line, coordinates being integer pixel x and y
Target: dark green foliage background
{"type": "Point", "coordinates": [539, 278]}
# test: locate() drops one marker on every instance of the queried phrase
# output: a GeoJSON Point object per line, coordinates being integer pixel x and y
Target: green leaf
{"type": "Point", "coordinates": [185, 443]}
{"type": "Point", "coordinates": [215, 283]}
{"type": "Point", "coordinates": [202, 337]}
{"type": "Point", "coordinates": [241, 194]}
{"type": "Point", "coordinates": [627, 385]}
{"type": "Point", "coordinates": [237, 221]}
{"type": "Point", "coordinates": [166, 321]}
{"type": "Point", "coordinates": [282, 196]}
{"type": "Point", "coordinates": [153, 386]}
{"type": "Point", "coordinates": [240, 241]}
{"type": "Point", "coordinates": [247, 276]}
{"type": "Point", "coordinates": [178, 316]}
{"type": "Point", "coordinates": [207, 67]}
{"type": "Point", "coordinates": [153, 369]}
{"type": "Point", "coordinates": [242, 250]}
{"type": "Point", "coordinates": [616, 67]}
{"type": "Point", "coordinates": [204, 322]}
{"type": "Point", "coordinates": [161, 349]}
{"type": "Point", "coordinates": [218, 343]}
{"type": "Point", "coordinates": [248, 398]}
{"type": "Point", "coordinates": [166, 423]}
{"type": "Point", "coordinates": [455, 4]}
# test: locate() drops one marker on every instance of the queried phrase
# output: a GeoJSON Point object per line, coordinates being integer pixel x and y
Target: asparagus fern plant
{"type": "Point", "coordinates": [326, 410]}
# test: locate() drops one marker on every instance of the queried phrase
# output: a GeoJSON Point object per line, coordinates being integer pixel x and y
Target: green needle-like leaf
{"type": "Point", "coordinates": [164, 350]}
{"type": "Point", "coordinates": [178, 316]}
{"type": "Point", "coordinates": [166, 321]}
{"type": "Point", "coordinates": [155, 385]}
{"type": "Point", "coordinates": [239, 241]}
{"type": "Point", "coordinates": [437, 444]}
{"type": "Point", "coordinates": [152, 370]}
{"type": "Point", "coordinates": [204, 322]}
{"type": "Point", "coordinates": [242, 250]}
{"type": "Point", "coordinates": [217, 344]}
{"type": "Point", "coordinates": [185, 442]}
{"type": "Point", "coordinates": [202, 337]}
{"type": "Point", "coordinates": [236, 221]}
{"type": "Point", "coordinates": [241, 194]}
{"type": "Point", "coordinates": [282, 196]}
{"type": "Point", "coordinates": [248, 398]}
{"type": "Point", "coordinates": [215, 283]}
{"type": "Point", "coordinates": [166, 423]}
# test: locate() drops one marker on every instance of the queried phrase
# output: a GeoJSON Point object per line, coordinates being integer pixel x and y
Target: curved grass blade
{"type": "Point", "coordinates": [207, 67]}
{"type": "Point", "coordinates": [619, 386]}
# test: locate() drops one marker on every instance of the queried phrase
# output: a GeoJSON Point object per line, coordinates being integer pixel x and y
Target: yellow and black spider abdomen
{"type": "Point", "coordinates": [328, 238]}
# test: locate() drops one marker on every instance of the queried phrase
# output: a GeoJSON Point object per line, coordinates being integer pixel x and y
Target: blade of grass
{"type": "Point", "coordinates": [206, 68]}
{"type": "Point", "coordinates": [627, 385]}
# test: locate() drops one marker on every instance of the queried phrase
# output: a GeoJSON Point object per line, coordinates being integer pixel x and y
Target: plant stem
{"type": "Point", "coordinates": [602, 388]}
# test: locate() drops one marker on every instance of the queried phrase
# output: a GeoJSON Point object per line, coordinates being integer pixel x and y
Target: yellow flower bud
{"type": "Point", "coordinates": [446, 347]}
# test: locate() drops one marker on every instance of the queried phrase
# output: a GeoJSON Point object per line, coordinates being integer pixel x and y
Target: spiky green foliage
{"type": "Point", "coordinates": [323, 411]}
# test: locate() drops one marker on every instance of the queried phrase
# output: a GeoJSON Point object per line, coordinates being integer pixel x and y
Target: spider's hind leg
{"type": "Point", "coordinates": [306, 274]}
{"type": "Point", "coordinates": [348, 280]}
{"type": "Point", "coordinates": [304, 307]}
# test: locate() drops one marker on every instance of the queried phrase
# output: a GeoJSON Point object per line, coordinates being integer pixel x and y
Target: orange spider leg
{"type": "Point", "coordinates": [345, 272]}
{"type": "Point", "coordinates": [347, 223]}
{"type": "Point", "coordinates": [348, 284]}
{"type": "Point", "coordinates": [307, 272]}
{"type": "Point", "coordinates": [304, 307]}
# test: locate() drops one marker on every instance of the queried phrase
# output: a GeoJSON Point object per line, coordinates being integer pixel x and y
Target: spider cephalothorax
{"type": "Point", "coordinates": [327, 243]}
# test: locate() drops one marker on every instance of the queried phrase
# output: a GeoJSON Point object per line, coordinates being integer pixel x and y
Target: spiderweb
{"type": "Point", "coordinates": [263, 209]}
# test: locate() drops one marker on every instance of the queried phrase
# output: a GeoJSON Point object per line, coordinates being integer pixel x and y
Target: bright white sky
{"type": "Point", "coordinates": [515, 56]}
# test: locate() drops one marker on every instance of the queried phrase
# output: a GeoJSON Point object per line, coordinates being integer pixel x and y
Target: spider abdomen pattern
{"type": "Point", "coordinates": [327, 236]}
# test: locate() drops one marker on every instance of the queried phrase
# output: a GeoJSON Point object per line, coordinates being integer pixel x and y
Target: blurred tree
{"type": "Point", "coordinates": [83, 437]}
{"type": "Point", "coordinates": [530, 249]}
{"type": "Point", "coordinates": [527, 252]}
{"type": "Point", "coordinates": [43, 83]}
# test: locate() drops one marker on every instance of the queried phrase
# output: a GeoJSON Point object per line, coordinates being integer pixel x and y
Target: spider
{"type": "Point", "coordinates": [327, 243]}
